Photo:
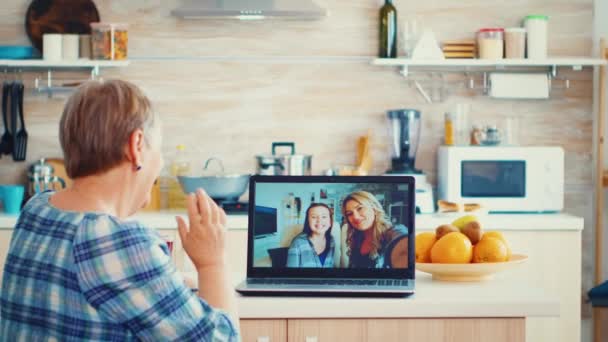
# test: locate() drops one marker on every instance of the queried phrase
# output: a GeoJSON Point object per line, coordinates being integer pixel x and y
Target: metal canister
{"type": "Point", "coordinates": [41, 177]}
{"type": "Point", "coordinates": [276, 164]}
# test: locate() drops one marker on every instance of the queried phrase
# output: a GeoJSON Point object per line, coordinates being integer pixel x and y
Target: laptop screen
{"type": "Point", "coordinates": [331, 226]}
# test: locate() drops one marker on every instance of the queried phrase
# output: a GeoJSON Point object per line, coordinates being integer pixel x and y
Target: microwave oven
{"type": "Point", "coordinates": [503, 179]}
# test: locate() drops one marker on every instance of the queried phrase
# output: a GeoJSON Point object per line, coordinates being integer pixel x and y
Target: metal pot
{"type": "Point", "coordinates": [224, 187]}
{"type": "Point", "coordinates": [291, 164]}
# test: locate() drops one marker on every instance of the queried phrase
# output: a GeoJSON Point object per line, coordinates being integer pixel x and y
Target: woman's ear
{"type": "Point", "coordinates": [135, 148]}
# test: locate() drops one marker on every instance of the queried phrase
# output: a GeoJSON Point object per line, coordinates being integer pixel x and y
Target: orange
{"type": "Point", "coordinates": [424, 243]}
{"type": "Point", "coordinates": [501, 237]}
{"type": "Point", "coordinates": [452, 248]}
{"type": "Point", "coordinates": [490, 249]}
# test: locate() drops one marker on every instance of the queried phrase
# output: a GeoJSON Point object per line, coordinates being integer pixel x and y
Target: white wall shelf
{"type": "Point", "coordinates": [42, 64]}
{"type": "Point", "coordinates": [483, 66]}
{"type": "Point", "coordinates": [558, 61]}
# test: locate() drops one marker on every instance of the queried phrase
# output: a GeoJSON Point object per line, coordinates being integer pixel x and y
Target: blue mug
{"type": "Point", "coordinates": [12, 197]}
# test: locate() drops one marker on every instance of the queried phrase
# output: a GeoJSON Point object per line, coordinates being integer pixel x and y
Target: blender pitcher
{"type": "Point", "coordinates": [405, 134]}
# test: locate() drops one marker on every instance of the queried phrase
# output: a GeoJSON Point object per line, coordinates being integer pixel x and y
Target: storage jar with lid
{"type": "Point", "coordinates": [515, 42]}
{"type": "Point", "coordinates": [490, 42]}
{"type": "Point", "coordinates": [109, 41]}
{"type": "Point", "coordinates": [537, 30]}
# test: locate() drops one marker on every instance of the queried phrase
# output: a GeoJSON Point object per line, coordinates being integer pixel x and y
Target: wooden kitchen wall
{"type": "Point", "coordinates": [229, 88]}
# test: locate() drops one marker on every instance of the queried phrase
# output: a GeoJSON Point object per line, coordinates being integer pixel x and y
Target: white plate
{"type": "Point", "coordinates": [470, 272]}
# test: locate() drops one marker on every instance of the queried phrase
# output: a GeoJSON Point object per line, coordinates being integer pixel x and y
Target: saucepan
{"type": "Point", "coordinates": [220, 186]}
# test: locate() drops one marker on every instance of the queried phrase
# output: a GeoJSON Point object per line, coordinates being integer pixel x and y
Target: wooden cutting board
{"type": "Point", "coordinates": [59, 16]}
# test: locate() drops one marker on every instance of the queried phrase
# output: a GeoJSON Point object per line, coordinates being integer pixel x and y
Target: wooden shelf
{"type": "Point", "coordinates": [550, 62]}
{"type": "Point", "coordinates": [42, 64]}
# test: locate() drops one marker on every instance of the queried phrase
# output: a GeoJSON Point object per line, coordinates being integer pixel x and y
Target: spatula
{"type": "Point", "coordinates": [20, 146]}
{"type": "Point", "coordinates": [6, 143]}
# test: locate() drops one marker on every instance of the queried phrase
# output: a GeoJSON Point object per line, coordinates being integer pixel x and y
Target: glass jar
{"type": "Point", "coordinates": [492, 136]}
{"type": "Point", "coordinates": [477, 135]}
{"type": "Point", "coordinates": [515, 42]}
{"type": "Point", "coordinates": [537, 27]}
{"type": "Point", "coordinates": [490, 42]}
{"type": "Point", "coordinates": [109, 41]}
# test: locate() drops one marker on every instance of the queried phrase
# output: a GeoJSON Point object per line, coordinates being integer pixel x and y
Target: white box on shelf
{"type": "Point", "coordinates": [519, 85]}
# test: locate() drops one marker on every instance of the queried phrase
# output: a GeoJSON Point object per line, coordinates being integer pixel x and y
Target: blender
{"type": "Point", "coordinates": [405, 133]}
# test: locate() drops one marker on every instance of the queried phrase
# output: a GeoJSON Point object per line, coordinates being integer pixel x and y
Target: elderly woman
{"type": "Point", "coordinates": [77, 269]}
{"type": "Point", "coordinates": [371, 240]}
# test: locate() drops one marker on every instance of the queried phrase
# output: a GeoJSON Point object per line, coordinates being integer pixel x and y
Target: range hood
{"type": "Point", "coordinates": [250, 9]}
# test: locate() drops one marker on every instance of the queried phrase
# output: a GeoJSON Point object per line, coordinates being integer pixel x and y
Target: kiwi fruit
{"type": "Point", "coordinates": [473, 231]}
{"type": "Point", "coordinates": [444, 229]}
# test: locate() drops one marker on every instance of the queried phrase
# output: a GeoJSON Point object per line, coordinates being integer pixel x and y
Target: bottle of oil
{"type": "Point", "coordinates": [388, 30]}
{"type": "Point", "coordinates": [448, 129]}
{"type": "Point", "coordinates": [180, 166]}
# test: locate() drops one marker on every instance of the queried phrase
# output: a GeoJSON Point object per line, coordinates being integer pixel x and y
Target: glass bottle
{"type": "Point", "coordinates": [448, 134]}
{"type": "Point", "coordinates": [180, 166]}
{"type": "Point", "coordinates": [388, 30]}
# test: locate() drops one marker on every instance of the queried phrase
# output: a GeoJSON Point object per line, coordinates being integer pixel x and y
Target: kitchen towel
{"type": "Point", "coordinates": [519, 85]}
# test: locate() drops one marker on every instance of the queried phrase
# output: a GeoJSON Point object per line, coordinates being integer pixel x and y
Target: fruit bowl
{"type": "Point", "coordinates": [470, 272]}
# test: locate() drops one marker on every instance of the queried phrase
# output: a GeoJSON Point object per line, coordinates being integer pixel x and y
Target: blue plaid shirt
{"type": "Point", "coordinates": [302, 253]}
{"type": "Point", "coordinates": [83, 276]}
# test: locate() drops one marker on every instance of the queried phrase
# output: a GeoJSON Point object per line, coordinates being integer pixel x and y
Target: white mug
{"type": "Point", "coordinates": [70, 46]}
{"type": "Point", "coordinates": [51, 47]}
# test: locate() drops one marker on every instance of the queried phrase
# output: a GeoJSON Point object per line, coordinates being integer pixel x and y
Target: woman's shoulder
{"type": "Point", "coordinates": [300, 240]}
{"type": "Point", "coordinates": [103, 224]}
{"type": "Point", "coordinates": [399, 228]}
{"type": "Point", "coordinates": [394, 232]}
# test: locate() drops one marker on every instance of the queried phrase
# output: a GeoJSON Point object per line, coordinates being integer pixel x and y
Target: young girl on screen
{"type": "Point", "coordinates": [315, 246]}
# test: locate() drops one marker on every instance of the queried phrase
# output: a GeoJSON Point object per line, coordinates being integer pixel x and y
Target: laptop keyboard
{"type": "Point", "coordinates": [346, 282]}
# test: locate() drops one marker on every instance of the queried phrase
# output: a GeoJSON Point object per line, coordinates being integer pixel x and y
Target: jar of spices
{"type": "Point", "coordinates": [476, 135]}
{"type": "Point", "coordinates": [109, 41]}
{"type": "Point", "coordinates": [536, 27]}
{"type": "Point", "coordinates": [515, 42]}
{"type": "Point", "coordinates": [490, 43]}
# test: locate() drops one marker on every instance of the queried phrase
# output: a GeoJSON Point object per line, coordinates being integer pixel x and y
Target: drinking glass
{"type": "Point", "coordinates": [410, 34]}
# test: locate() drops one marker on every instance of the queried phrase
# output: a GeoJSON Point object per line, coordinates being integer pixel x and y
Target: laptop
{"type": "Point", "coordinates": [330, 235]}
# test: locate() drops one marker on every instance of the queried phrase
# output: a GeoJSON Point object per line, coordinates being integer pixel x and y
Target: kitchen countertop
{"type": "Point", "coordinates": [503, 296]}
{"type": "Point", "coordinates": [519, 222]}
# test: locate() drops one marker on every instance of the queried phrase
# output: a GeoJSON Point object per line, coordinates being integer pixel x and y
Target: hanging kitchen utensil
{"type": "Point", "coordinates": [6, 144]}
{"type": "Point", "coordinates": [14, 95]}
{"type": "Point", "coordinates": [20, 146]}
{"type": "Point", "coordinates": [59, 16]}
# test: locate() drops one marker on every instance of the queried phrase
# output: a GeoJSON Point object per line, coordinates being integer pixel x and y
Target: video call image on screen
{"type": "Point", "coordinates": [331, 225]}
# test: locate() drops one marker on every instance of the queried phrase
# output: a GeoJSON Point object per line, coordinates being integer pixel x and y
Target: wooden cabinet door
{"type": "Point", "coordinates": [263, 330]}
{"type": "Point", "coordinates": [446, 329]}
{"type": "Point", "coordinates": [327, 330]}
{"type": "Point", "coordinates": [407, 330]}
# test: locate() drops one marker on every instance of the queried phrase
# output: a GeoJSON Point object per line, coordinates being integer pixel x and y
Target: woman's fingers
{"type": "Point", "coordinates": [193, 214]}
{"type": "Point", "coordinates": [223, 218]}
{"type": "Point", "coordinates": [214, 212]}
{"type": "Point", "coordinates": [182, 228]}
{"type": "Point", "coordinates": [204, 207]}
